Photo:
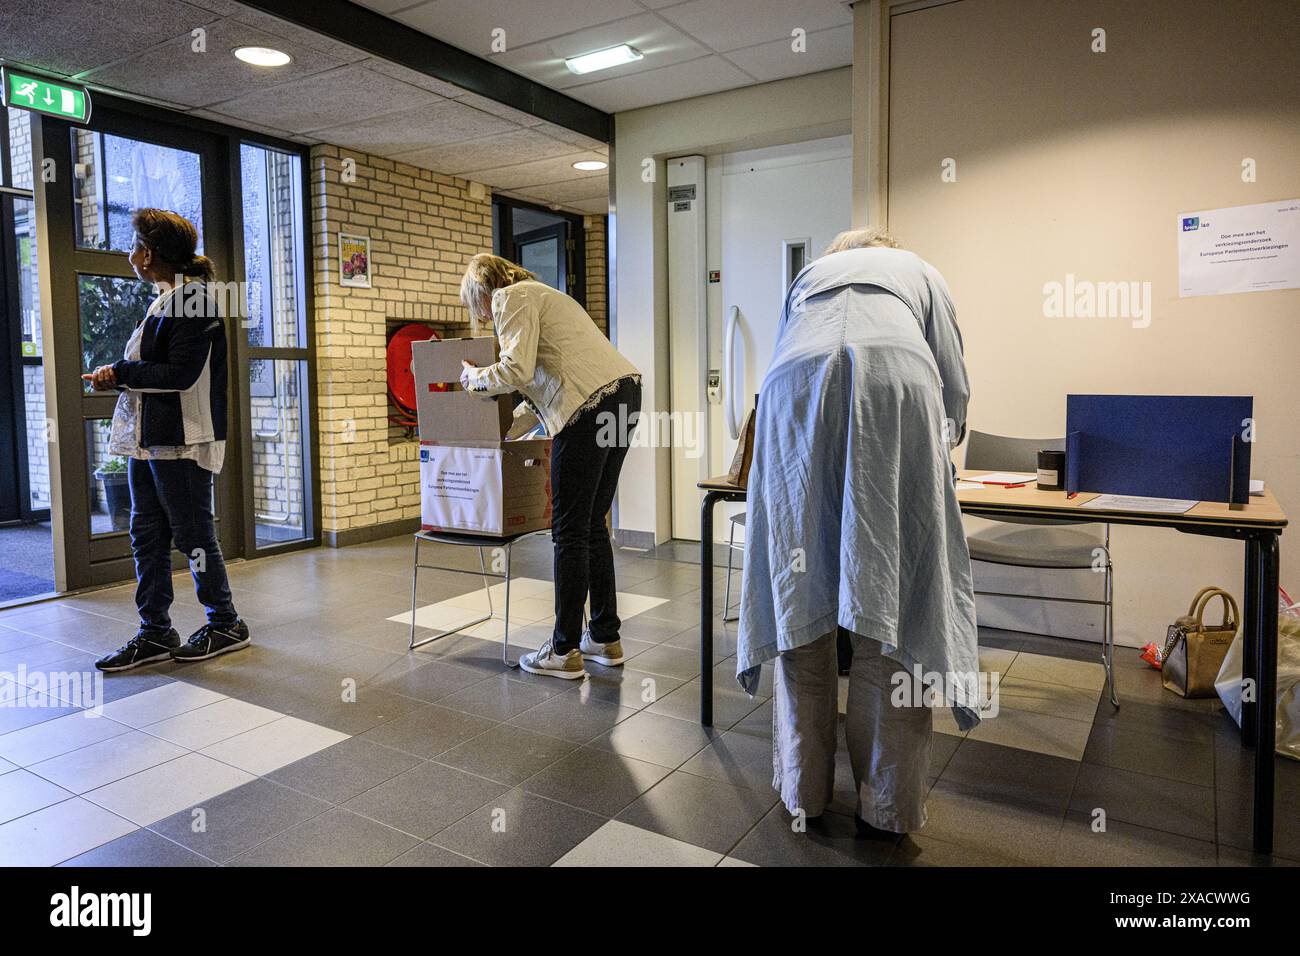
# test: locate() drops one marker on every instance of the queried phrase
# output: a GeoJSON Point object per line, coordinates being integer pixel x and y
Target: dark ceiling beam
{"type": "Point", "coordinates": [376, 34]}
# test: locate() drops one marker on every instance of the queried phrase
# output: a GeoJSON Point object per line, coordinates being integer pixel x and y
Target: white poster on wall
{"type": "Point", "coordinates": [1239, 249]}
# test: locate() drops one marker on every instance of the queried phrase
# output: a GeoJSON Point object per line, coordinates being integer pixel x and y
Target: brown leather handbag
{"type": "Point", "coordinates": [1194, 650]}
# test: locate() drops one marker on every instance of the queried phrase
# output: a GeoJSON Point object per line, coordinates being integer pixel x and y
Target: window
{"type": "Point", "coordinates": [115, 175]}
{"type": "Point", "coordinates": [110, 310]}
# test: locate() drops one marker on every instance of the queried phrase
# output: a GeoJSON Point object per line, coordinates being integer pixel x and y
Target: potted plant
{"type": "Point", "coordinates": [117, 495]}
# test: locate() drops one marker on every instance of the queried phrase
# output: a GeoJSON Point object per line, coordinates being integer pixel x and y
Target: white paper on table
{"type": "Point", "coordinates": [1003, 478]}
{"type": "Point", "coordinates": [1257, 486]}
{"type": "Point", "coordinates": [1239, 249]}
{"type": "Point", "coordinates": [965, 484]}
{"type": "Point", "coordinates": [1164, 506]}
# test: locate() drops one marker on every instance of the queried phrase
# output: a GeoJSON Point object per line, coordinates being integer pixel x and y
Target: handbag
{"type": "Point", "coordinates": [738, 473]}
{"type": "Point", "coordinates": [1194, 650]}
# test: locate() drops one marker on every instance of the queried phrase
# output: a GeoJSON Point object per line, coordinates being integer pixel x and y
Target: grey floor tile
{"type": "Point", "coordinates": [987, 825]}
{"type": "Point", "coordinates": [141, 848]}
{"type": "Point", "coordinates": [1161, 719]}
{"type": "Point", "coordinates": [596, 780]}
{"type": "Point", "coordinates": [699, 810]}
{"type": "Point", "coordinates": [665, 660]}
{"type": "Point", "coordinates": [1235, 818]}
{"type": "Point", "coordinates": [665, 741]}
{"type": "Point", "coordinates": [917, 849]}
{"type": "Point", "coordinates": [338, 773]}
{"type": "Point", "coordinates": [1191, 761]}
{"type": "Point", "coordinates": [758, 722]}
{"type": "Point", "coordinates": [627, 686]}
{"type": "Point", "coordinates": [507, 754]}
{"type": "Point", "coordinates": [775, 841]}
{"type": "Point", "coordinates": [739, 759]}
{"type": "Point", "coordinates": [1123, 844]}
{"type": "Point", "coordinates": [335, 838]}
{"type": "Point", "coordinates": [425, 799]}
{"type": "Point", "coordinates": [650, 630]}
{"type": "Point", "coordinates": [430, 854]}
{"type": "Point", "coordinates": [1144, 800]}
{"type": "Point", "coordinates": [433, 680]}
{"type": "Point", "coordinates": [372, 708]}
{"type": "Point", "coordinates": [238, 820]}
{"type": "Point", "coordinates": [428, 731]}
{"type": "Point", "coordinates": [730, 704]}
{"type": "Point", "coordinates": [521, 829]}
{"type": "Point", "coordinates": [574, 717]}
{"type": "Point", "coordinates": [1007, 775]}
{"type": "Point", "coordinates": [497, 698]}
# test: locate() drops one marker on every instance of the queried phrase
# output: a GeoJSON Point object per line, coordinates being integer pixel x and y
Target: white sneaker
{"type": "Point", "coordinates": [545, 661]}
{"type": "Point", "coordinates": [611, 654]}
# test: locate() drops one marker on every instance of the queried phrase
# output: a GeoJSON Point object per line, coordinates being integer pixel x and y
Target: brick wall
{"type": "Point", "coordinates": [423, 227]}
{"type": "Point", "coordinates": [597, 286]}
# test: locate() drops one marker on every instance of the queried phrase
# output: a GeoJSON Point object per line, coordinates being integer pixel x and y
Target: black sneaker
{"type": "Point", "coordinates": [213, 639]}
{"type": "Point", "coordinates": [147, 647]}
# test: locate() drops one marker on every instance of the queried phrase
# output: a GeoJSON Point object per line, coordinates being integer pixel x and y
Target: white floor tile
{"type": "Point", "coordinates": [1041, 733]}
{"type": "Point", "coordinates": [620, 844]}
{"type": "Point", "coordinates": [271, 746]}
{"type": "Point", "coordinates": [630, 605]}
{"type": "Point", "coordinates": [22, 792]}
{"type": "Point", "coordinates": [1058, 670]}
{"type": "Point", "coordinates": [159, 703]}
{"type": "Point", "coordinates": [59, 833]}
{"type": "Point", "coordinates": [102, 763]}
{"type": "Point", "coordinates": [53, 737]}
{"type": "Point", "coordinates": [732, 861]}
{"type": "Point", "coordinates": [1040, 697]}
{"type": "Point", "coordinates": [199, 728]}
{"type": "Point", "coordinates": [168, 788]}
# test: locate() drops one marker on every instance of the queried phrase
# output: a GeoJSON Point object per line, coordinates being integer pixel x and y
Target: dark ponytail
{"type": "Point", "coordinates": [172, 239]}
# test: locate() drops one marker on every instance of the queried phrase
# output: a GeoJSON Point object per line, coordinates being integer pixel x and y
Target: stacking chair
{"type": "Point", "coordinates": [737, 520]}
{"type": "Point", "coordinates": [1044, 543]}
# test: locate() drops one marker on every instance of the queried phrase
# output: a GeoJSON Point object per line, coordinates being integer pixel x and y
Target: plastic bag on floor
{"type": "Point", "coordinates": [1228, 683]}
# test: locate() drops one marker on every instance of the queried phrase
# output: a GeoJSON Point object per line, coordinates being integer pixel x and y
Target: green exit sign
{"type": "Point", "coordinates": [44, 95]}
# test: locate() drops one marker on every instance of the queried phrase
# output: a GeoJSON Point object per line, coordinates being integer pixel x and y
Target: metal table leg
{"type": "Point", "coordinates": [1250, 628]}
{"type": "Point", "coordinates": [1265, 692]}
{"type": "Point", "coordinates": [706, 607]}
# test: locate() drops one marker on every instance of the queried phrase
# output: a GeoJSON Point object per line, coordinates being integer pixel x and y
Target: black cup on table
{"type": "Point", "coordinates": [1051, 470]}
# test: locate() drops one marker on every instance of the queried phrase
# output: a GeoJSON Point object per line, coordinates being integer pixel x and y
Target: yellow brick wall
{"type": "Point", "coordinates": [423, 227]}
{"type": "Point", "coordinates": [597, 289]}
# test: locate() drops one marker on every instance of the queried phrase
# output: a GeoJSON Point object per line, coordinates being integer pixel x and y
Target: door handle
{"type": "Point", "coordinates": [731, 388]}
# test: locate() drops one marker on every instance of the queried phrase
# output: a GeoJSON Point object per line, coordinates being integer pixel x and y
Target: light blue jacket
{"type": "Point", "coordinates": [852, 512]}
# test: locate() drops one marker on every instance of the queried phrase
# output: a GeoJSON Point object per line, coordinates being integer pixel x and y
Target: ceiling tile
{"type": "Point", "coordinates": [172, 70]}
{"type": "Point", "coordinates": [572, 137]}
{"type": "Point", "coordinates": [521, 175]}
{"type": "Point", "coordinates": [488, 105]}
{"type": "Point", "coordinates": [444, 122]}
{"type": "Point", "coordinates": [523, 145]}
{"type": "Point", "coordinates": [69, 38]}
{"type": "Point", "coordinates": [709, 74]}
{"type": "Point", "coordinates": [468, 24]}
{"type": "Point", "coordinates": [414, 77]}
{"type": "Point", "coordinates": [327, 99]}
{"type": "Point", "coordinates": [298, 34]}
{"type": "Point", "coordinates": [659, 43]}
{"type": "Point", "coordinates": [826, 50]}
{"type": "Point", "coordinates": [592, 207]}
{"type": "Point", "coordinates": [569, 192]}
{"type": "Point", "coordinates": [727, 25]}
{"type": "Point", "coordinates": [386, 6]}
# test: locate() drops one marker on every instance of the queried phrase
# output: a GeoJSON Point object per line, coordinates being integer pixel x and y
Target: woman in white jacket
{"type": "Point", "coordinates": [588, 397]}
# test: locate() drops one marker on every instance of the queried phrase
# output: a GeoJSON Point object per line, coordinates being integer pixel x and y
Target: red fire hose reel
{"type": "Point", "coordinates": [401, 380]}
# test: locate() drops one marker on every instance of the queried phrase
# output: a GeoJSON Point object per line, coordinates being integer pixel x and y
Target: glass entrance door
{"type": "Point", "coordinates": [95, 177]}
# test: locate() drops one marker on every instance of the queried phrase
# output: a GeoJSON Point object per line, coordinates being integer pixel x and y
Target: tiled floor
{"type": "Point", "coordinates": [329, 743]}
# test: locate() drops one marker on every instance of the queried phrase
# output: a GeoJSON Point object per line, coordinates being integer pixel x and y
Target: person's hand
{"type": "Point", "coordinates": [102, 379]}
{"type": "Point", "coordinates": [466, 365]}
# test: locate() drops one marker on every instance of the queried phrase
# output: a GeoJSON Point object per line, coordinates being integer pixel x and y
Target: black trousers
{"type": "Point", "coordinates": [586, 458]}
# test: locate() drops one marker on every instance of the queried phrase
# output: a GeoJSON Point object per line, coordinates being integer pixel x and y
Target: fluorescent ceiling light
{"type": "Point", "coordinates": [261, 56]}
{"type": "Point", "coordinates": [589, 164]}
{"type": "Point", "coordinates": [602, 59]}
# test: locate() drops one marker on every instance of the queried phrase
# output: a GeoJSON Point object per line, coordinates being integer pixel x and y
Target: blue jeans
{"type": "Point", "coordinates": [171, 500]}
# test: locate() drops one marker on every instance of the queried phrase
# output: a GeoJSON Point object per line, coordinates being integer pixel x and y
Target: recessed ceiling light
{"type": "Point", "coordinates": [589, 164]}
{"type": "Point", "coordinates": [261, 56]}
{"type": "Point", "coordinates": [602, 59]}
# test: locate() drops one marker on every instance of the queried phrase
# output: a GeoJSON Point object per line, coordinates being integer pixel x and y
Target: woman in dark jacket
{"type": "Point", "coordinates": [170, 424]}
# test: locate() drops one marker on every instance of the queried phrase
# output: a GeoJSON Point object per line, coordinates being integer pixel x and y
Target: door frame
{"type": "Point", "coordinates": [575, 242]}
{"type": "Point", "coordinates": [81, 560]}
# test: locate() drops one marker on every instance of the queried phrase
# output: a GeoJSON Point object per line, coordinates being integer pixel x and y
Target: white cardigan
{"type": "Point", "coordinates": [551, 351]}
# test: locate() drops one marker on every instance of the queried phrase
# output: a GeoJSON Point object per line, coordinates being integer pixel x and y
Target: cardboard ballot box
{"type": "Point", "coordinates": [472, 477]}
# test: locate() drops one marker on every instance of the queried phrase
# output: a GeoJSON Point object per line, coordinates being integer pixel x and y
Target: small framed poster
{"type": "Point", "coordinates": [354, 260]}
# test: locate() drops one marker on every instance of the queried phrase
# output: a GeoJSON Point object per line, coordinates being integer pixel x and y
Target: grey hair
{"type": "Point", "coordinates": [861, 239]}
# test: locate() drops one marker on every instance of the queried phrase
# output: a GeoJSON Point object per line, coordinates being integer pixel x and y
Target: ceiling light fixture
{"type": "Point", "coordinates": [602, 59]}
{"type": "Point", "coordinates": [261, 56]}
{"type": "Point", "coordinates": [587, 165]}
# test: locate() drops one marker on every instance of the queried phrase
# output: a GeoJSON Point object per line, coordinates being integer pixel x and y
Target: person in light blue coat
{"type": "Point", "coordinates": [854, 525]}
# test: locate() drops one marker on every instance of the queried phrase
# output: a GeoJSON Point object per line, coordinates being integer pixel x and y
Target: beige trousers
{"type": "Point", "coordinates": [889, 746]}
